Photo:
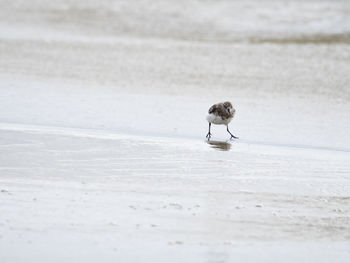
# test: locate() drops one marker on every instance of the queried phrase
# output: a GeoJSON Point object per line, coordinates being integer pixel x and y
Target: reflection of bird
{"type": "Point", "coordinates": [221, 113]}
{"type": "Point", "coordinates": [221, 146]}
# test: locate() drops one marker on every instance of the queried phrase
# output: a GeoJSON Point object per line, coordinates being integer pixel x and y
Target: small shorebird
{"type": "Point", "coordinates": [221, 113]}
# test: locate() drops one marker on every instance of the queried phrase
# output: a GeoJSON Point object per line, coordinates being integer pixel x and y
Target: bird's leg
{"type": "Point", "coordinates": [232, 136]}
{"type": "Point", "coordinates": [209, 134]}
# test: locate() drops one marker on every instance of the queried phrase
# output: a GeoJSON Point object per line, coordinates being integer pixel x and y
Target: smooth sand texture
{"type": "Point", "coordinates": [92, 193]}
{"type": "Point", "coordinates": [103, 156]}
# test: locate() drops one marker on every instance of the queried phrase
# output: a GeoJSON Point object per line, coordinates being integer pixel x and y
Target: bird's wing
{"type": "Point", "coordinates": [213, 109]}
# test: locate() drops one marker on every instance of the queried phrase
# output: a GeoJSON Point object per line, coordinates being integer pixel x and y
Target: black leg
{"type": "Point", "coordinates": [209, 134]}
{"type": "Point", "coordinates": [232, 136]}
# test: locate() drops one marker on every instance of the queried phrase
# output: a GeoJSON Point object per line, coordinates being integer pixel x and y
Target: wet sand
{"type": "Point", "coordinates": [125, 197]}
{"type": "Point", "coordinates": [102, 132]}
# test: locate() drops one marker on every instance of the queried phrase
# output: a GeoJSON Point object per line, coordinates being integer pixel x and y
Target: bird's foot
{"type": "Point", "coordinates": [208, 136]}
{"type": "Point", "coordinates": [234, 137]}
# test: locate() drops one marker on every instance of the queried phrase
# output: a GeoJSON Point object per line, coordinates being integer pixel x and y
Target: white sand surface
{"type": "Point", "coordinates": [103, 156]}
{"type": "Point", "coordinates": [94, 195]}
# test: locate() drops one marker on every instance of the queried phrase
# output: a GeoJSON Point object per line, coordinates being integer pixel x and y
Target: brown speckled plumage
{"type": "Point", "coordinates": [220, 109]}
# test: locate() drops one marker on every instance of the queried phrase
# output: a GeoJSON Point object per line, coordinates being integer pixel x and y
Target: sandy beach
{"type": "Point", "coordinates": [103, 155]}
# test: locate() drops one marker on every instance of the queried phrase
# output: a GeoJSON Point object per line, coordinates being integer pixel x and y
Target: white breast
{"type": "Point", "coordinates": [212, 118]}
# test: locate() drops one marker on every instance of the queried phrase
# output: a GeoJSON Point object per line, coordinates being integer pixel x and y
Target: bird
{"type": "Point", "coordinates": [221, 113]}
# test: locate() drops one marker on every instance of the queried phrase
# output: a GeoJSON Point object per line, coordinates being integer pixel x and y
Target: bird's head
{"type": "Point", "coordinates": [228, 107]}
